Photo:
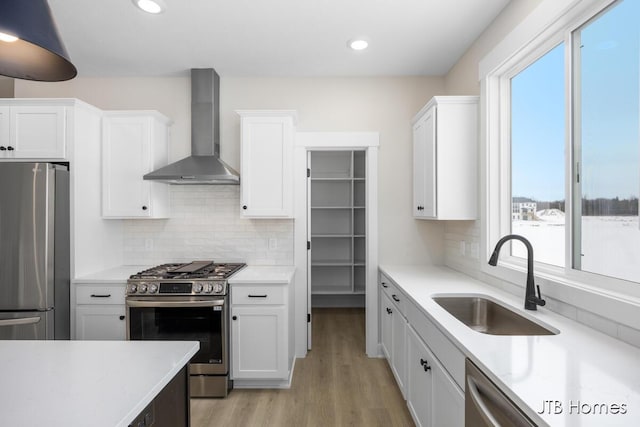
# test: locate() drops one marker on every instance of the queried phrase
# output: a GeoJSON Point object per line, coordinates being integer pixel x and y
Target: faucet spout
{"type": "Point", "coordinates": [531, 300]}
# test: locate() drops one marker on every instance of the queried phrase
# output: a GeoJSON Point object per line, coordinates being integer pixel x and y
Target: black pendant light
{"type": "Point", "coordinates": [30, 46]}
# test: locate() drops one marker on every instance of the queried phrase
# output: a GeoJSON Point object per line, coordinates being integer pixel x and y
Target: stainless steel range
{"type": "Point", "coordinates": [186, 302]}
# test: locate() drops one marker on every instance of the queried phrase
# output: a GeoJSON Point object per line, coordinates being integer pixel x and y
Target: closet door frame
{"type": "Point", "coordinates": [335, 141]}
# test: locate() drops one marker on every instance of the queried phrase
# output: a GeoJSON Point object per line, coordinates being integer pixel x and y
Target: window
{"type": "Point", "coordinates": [605, 120]}
{"type": "Point", "coordinates": [537, 157]}
{"type": "Point", "coordinates": [566, 117]}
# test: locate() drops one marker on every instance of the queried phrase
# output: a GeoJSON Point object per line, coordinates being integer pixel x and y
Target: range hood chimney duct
{"type": "Point", "coordinates": [204, 166]}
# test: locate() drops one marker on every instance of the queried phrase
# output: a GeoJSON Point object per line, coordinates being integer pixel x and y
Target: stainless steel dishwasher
{"type": "Point", "coordinates": [486, 405]}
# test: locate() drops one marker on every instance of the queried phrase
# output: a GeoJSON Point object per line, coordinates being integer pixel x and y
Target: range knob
{"type": "Point", "coordinates": [132, 288]}
{"type": "Point", "coordinates": [142, 288]}
{"type": "Point", "coordinates": [153, 288]}
{"type": "Point", "coordinates": [208, 287]}
{"type": "Point", "coordinates": [197, 288]}
{"type": "Point", "coordinates": [218, 287]}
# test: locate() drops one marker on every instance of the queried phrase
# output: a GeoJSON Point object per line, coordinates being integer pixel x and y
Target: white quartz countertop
{"type": "Point", "coordinates": [84, 383]}
{"type": "Point", "coordinates": [118, 274]}
{"type": "Point", "coordinates": [263, 274]}
{"type": "Point", "coordinates": [581, 369]}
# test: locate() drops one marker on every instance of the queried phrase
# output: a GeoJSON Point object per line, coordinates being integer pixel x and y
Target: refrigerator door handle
{"type": "Point", "coordinates": [20, 321]}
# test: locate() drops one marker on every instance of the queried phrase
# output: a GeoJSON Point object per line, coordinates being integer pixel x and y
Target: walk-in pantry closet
{"type": "Point", "coordinates": [337, 228]}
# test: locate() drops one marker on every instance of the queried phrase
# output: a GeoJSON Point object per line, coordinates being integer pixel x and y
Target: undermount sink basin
{"type": "Point", "coordinates": [487, 316]}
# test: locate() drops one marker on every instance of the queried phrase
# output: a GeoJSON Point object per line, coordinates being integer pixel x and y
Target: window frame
{"type": "Point", "coordinates": [528, 42]}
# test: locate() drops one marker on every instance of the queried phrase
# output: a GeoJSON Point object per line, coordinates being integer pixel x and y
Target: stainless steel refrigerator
{"type": "Point", "coordinates": [34, 251]}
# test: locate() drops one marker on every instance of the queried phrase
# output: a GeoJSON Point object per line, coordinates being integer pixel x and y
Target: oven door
{"type": "Point", "coordinates": [183, 319]}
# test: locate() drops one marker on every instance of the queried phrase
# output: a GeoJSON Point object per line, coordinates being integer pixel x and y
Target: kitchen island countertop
{"type": "Point", "coordinates": [85, 383]}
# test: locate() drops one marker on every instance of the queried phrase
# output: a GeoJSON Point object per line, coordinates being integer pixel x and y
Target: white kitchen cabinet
{"type": "Point", "coordinates": [259, 333]}
{"type": "Point", "coordinates": [259, 343]}
{"type": "Point", "coordinates": [428, 368]}
{"type": "Point", "coordinates": [266, 147]}
{"type": "Point", "coordinates": [394, 326]}
{"type": "Point", "coordinates": [100, 322]}
{"type": "Point", "coordinates": [134, 143]}
{"type": "Point", "coordinates": [433, 397]}
{"type": "Point", "coordinates": [445, 138]}
{"type": "Point", "coordinates": [386, 310]}
{"type": "Point", "coordinates": [34, 131]}
{"type": "Point", "coordinates": [99, 311]}
{"type": "Point", "coordinates": [419, 380]}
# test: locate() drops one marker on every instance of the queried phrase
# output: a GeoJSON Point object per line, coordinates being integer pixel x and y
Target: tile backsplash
{"type": "Point", "coordinates": [205, 224]}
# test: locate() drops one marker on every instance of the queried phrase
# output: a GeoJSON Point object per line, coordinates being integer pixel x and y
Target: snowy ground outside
{"type": "Point", "coordinates": [610, 245]}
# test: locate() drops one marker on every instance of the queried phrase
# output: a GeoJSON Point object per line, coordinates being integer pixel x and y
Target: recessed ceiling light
{"type": "Point", "coordinates": [7, 38]}
{"type": "Point", "coordinates": [358, 44]}
{"type": "Point", "coordinates": [151, 6]}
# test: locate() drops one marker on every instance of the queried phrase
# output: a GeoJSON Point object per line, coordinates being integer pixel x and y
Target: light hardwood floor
{"type": "Point", "coordinates": [335, 385]}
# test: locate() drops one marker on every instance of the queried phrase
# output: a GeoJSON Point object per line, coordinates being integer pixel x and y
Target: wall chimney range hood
{"type": "Point", "coordinates": [204, 166]}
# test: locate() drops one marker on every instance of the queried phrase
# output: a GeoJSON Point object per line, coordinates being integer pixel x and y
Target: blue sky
{"type": "Point", "coordinates": [609, 63]}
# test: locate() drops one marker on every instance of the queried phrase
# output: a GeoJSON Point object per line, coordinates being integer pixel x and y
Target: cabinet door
{"type": "Point", "coordinates": [267, 167]}
{"type": "Point", "coordinates": [398, 348]}
{"type": "Point", "coordinates": [419, 380]}
{"type": "Point", "coordinates": [100, 322]}
{"type": "Point", "coordinates": [259, 342]}
{"type": "Point", "coordinates": [419, 170]}
{"type": "Point", "coordinates": [37, 132]}
{"type": "Point", "coordinates": [125, 159]}
{"type": "Point", "coordinates": [448, 399]}
{"type": "Point", "coordinates": [430, 164]}
{"type": "Point", "coordinates": [386, 313]}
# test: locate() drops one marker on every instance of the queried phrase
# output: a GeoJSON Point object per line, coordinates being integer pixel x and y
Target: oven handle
{"type": "Point", "coordinates": [175, 304]}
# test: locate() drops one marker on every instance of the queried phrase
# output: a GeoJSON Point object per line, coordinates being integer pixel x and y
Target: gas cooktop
{"type": "Point", "coordinates": [196, 270]}
{"type": "Point", "coordinates": [197, 277]}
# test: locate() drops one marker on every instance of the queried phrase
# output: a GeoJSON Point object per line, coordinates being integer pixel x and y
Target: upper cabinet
{"type": "Point", "coordinates": [34, 131]}
{"type": "Point", "coordinates": [266, 183]}
{"type": "Point", "coordinates": [445, 138]}
{"type": "Point", "coordinates": [133, 144]}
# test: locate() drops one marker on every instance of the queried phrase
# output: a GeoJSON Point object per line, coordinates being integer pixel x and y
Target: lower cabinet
{"type": "Point", "coordinates": [432, 396]}
{"type": "Point", "coordinates": [399, 349]}
{"type": "Point", "coordinates": [394, 326]}
{"type": "Point", "coordinates": [261, 347]}
{"type": "Point", "coordinates": [100, 322]}
{"type": "Point", "coordinates": [410, 341]}
{"type": "Point", "coordinates": [99, 311]}
{"type": "Point", "coordinates": [259, 343]}
{"type": "Point", "coordinates": [386, 322]}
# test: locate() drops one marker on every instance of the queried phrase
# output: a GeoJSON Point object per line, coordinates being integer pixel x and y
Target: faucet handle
{"type": "Point", "coordinates": [540, 301]}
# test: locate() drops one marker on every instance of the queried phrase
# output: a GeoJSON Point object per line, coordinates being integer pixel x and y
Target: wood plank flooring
{"type": "Point", "coordinates": [335, 385]}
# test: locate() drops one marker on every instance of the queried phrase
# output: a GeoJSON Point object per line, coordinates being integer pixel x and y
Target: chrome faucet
{"type": "Point", "coordinates": [531, 301]}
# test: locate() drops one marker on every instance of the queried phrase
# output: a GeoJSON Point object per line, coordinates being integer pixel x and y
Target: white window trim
{"type": "Point", "coordinates": [548, 25]}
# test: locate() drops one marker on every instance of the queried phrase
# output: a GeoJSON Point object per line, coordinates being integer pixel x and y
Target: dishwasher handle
{"type": "Point", "coordinates": [487, 406]}
{"type": "Point", "coordinates": [478, 402]}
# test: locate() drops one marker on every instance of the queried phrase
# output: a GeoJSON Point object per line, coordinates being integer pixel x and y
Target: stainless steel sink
{"type": "Point", "coordinates": [490, 317]}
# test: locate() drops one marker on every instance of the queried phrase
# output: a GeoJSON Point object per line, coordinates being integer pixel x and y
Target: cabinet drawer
{"type": "Point", "coordinates": [268, 295]}
{"type": "Point", "coordinates": [87, 294]}
{"type": "Point", "coordinates": [447, 353]}
{"type": "Point", "coordinates": [394, 294]}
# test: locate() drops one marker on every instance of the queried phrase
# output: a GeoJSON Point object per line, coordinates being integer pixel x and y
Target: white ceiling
{"type": "Point", "coordinates": [271, 37]}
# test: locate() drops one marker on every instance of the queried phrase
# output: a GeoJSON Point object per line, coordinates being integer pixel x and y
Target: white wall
{"type": "Point", "coordinates": [462, 79]}
{"type": "Point", "coordinates": [384, 105]}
